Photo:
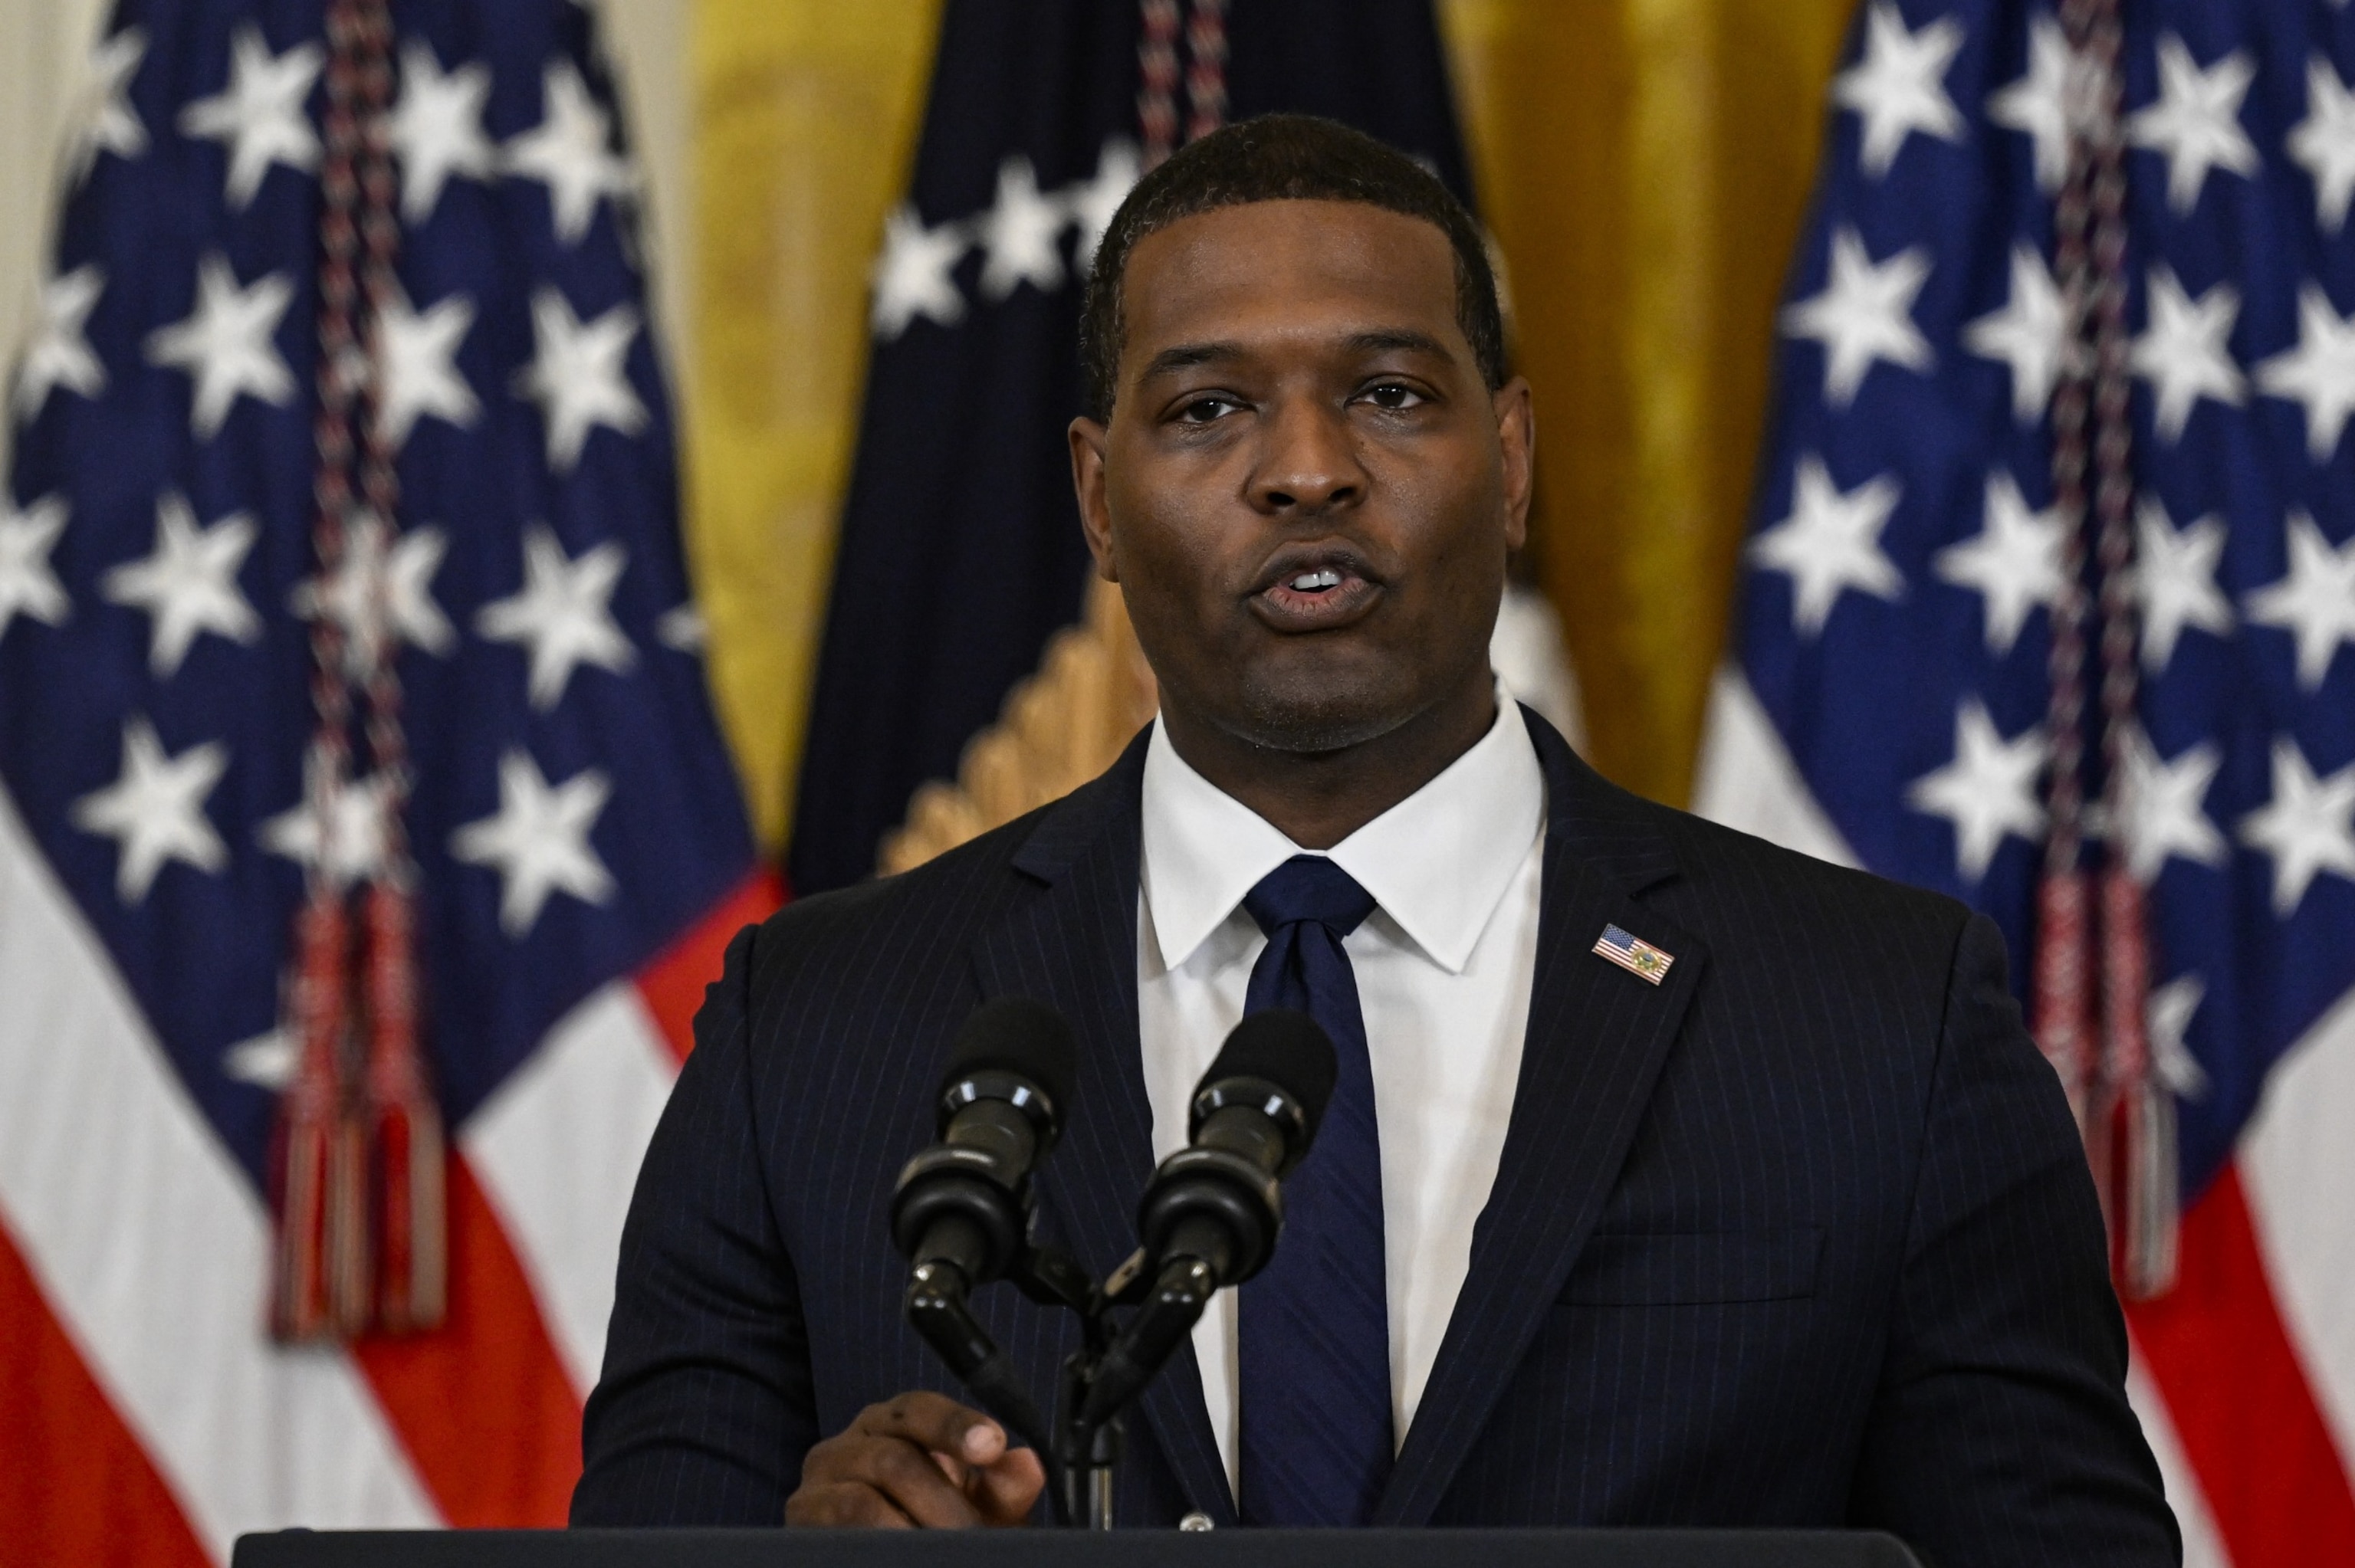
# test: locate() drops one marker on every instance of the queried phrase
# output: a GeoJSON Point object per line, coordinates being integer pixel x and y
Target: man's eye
{"type": "Point", "coordinates": [1393, 395]}
{"type": "Point", "coordinates": [1205, 410]}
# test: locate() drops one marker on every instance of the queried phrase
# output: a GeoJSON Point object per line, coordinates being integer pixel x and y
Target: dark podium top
{"type": "Point", "coordinates": [1070, 1549]}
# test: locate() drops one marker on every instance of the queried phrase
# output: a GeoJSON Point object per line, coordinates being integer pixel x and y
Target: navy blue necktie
{"type": "Point", "coordinates": [1315, 1374]}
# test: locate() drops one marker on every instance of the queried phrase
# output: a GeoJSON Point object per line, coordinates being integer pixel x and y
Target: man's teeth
{"type": "Point", "coordinates": [1309, 582]}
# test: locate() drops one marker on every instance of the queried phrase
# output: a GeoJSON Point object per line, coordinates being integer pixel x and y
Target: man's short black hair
{"type": "Point", "coordinates": [1284, 157]}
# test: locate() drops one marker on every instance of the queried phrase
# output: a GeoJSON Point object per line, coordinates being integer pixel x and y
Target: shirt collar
{"type": "Point", "coordinates": [1438, 863]}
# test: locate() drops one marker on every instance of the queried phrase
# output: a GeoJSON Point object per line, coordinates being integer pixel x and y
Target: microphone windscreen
{"type": "Point", "coordinates": [1290, 1050]}
{"type": "Point", "coordinates": [1014, 1035]}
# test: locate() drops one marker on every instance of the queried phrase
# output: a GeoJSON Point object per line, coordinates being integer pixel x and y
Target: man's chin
{"type": "Point", "coordinates": [1313, 722]}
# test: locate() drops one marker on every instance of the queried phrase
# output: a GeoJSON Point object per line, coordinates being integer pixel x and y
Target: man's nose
{"type": "Point", "coordinates": [1309, 463]}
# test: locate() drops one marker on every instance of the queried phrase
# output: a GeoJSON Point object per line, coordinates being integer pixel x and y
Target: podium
{"type": "Point", "coordinates": [1071, 1549]}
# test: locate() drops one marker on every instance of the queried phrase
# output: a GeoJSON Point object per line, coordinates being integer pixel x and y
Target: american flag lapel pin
{"type": "Point", "coordinates": [1634, 954]}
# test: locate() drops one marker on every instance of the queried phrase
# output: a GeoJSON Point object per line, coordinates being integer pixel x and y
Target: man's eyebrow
{"type": "Point", "coordinates": [1185, 355]}
{"type": "Point", "coordinates": [1378, 340]}
{"type": "Point", "coordinates": [1390, 340]}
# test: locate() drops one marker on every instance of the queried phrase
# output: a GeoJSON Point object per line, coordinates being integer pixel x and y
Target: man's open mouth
{"type": "Point", "coordinates": [1314, 590]}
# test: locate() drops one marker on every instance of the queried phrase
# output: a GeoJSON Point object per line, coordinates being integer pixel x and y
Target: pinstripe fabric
{"type": "Point", "coordinates": [1075, 947]}
{"type": "Point", "coordinates": [1800, 1235]}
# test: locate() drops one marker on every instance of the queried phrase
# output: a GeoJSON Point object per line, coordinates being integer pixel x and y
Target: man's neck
{"type": "Point", "coordinates": [1319, 799]}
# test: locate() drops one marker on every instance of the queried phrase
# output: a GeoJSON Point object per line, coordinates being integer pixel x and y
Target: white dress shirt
{"type": "Point", "coordinates": [1443, 967]}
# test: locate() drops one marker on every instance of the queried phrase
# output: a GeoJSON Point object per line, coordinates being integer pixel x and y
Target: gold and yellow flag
{"type": "Point", "coordinates": [1644, 166]}
{"type": "Point", "coordinates": [803, 116]}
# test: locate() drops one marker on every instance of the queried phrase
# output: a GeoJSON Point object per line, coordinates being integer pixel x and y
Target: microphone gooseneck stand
{"type": "Point", "coordinates": [964, 1212]}
{"type": "Point", "coordinates": [1083, 1448]}
{"type": "Point", "coordinates": [937, 1309]}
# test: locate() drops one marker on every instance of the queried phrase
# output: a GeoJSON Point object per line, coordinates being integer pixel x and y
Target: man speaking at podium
{"type": "Point", "coordinates": [1670, 1179]}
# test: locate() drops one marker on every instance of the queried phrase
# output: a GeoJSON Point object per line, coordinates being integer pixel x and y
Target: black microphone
{"type": "Point", "coordinates": [962, 1209]}
{"type": "Point", "coordinates": [965, 1203]}
{"type": "Point", "coordinates": [1212, 1212]}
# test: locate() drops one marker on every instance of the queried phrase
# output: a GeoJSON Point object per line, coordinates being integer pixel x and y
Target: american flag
{"type": "Point", "coordinates": [2051, 579]}
{"type": "Point", "coordinates": [1634, 954]}
{"type": "Point", "coordinates": [339, 553]}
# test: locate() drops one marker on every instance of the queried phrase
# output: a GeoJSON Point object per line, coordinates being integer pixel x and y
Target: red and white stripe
{"type": "Point", "coordinates": [2244, 1373]}
{"type": "Point", "coordinates": [148, 1416]}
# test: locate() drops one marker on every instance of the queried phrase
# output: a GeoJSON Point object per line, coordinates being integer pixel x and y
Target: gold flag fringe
{"type": "Point", "coordinates": [1058, 730]}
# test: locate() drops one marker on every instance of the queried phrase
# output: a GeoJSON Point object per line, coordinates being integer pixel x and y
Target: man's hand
{"type": "Point", "coordinates": [919, 1461]}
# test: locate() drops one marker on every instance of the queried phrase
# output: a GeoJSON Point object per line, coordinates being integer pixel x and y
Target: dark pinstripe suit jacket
{"type": "Point", "coordinates": [1800, 1236]}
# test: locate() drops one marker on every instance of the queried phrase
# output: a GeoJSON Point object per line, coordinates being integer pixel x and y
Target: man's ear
{"type": "Point", "coordinates": [1087, 438]}
{"type": "Point", "coordinates": [1517, 438]}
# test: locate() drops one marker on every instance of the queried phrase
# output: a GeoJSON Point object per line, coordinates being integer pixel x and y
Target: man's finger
{"type": "Point", "coordinates": [984, 1443]}
{"type": "Point", "coordinates": [908, 1476]}
{"type": "Point", "coordinates": [1005, 1491]}
{"type": "Point", "coordinates": [844, 1505]}
{"type": "Point", "coordinates": [936, 1422]}
{"type": "Point", "coordinates": [921, 1459]}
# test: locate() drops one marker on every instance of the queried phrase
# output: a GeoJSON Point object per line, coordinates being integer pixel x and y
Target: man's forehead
{"type": "Point", "coordinates": [1345, 272]}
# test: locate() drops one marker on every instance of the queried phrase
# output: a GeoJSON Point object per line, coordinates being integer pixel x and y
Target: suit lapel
{"type": "Point", "coordinates": [1597, 1036]}
{"type": "Point", "coordinates": [1074, 948]}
